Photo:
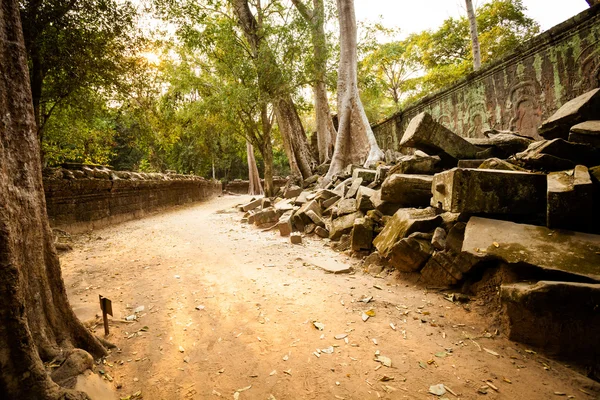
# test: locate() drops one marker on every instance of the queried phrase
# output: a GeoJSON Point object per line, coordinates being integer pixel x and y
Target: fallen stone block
{"type": "Point", "coordinates": [572, 252]}
{"type": "Point", "coordinates": [417, 164]}
{"type": "Point", "coordinates": [470, 163]}
{"type": "Point", "coordinates": [376, 216]}
{"type": "Point", "coordinates": [310, 180]}
{"type": "Point", "coordinates": [558, 155]}
{"type": "Point", "coordinates": [438, 241]}
{"type": "Point", "coordinates": [404, 222]}
{"type": "Point", "coordinates": [571, 201]}
{"type": "Point", "coordinates": [330, 265]}
{"type": "Point", "coordinates": [455, 237]}
{"type": "Point", "coordinates": [266, 216]}
{"type": "Point", "coordinates": [292, 191]}
{"type": "Point", "coordinates": [285, 224]}
{"type": "Point", "coordinates": [409, 254]}
{"type": "Point", "coordinates": [251, 205]}
{"type": "Point", "coordinates": [489, 191]}
{"type": "Point", "coordinates": [322, 232]}
{"type": "Point", "coordinates": [367, 175]}
{"type": "Point", "coordinates": [343, 244]}
{"type": "Point", "coordinates": [560, 317]}
{"type": "Point", "coordinates": [426, 134]}
{"type": "Point", "coordinates": [330, 202]}
{"type": "Point", "coordinates": [284, 205]}
{"type": "Point", "coordinates": [385, 207]}
{"type": "Point", "coordinates": [361, 237]}
{"type": "Point", "coordinates": [324, 194]}
{"type": "Point", "coordinates": [300, 218]}
{"type": "Point", "coordinates": [265, 203]}
{"type": "Point", "coordinates": [579, 109]}
{"type": "Point", "coordinates": [296, 238]}
{"type": "Point", "coordinates": [500, 165]}
{"type": "Point", "coordinates": [302, 198]}
{"type": "Point", "coordinates": [345, 206]}
{"type": "Point", "coordinates": [363, 199]}
{"type": "Point", "coordinates": [382, 173]}
{"type": "Point", "coordinates": [315, 218]}
{"type": "Point", "coordinates": [503, 143]}
{"type": "Point", "coordinates": [309, 229]}
{"type": "Point", "coordinates": [446, 268]}
{"type": "Point", "coordinates": [586, 133]}
{"type": "Point", "coordinates": [343, 225]}
{"type": "Point", "coordinates": [407, 190]}
{"type": "Point", "coordinates": [356, 183]}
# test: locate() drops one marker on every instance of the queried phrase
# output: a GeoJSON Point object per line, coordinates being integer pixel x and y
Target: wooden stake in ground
{"type": "Point", "coordinates": [37, 323]}
{"type": "Point", "coordinates": [355, 142]}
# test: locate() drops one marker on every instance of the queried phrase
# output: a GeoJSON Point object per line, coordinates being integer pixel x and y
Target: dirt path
{"type": "Point", "coordinates": [258, 296]}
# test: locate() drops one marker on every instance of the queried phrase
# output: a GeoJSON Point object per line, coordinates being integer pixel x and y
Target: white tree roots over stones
{"type": "Point", "coordinates": [355, 143]}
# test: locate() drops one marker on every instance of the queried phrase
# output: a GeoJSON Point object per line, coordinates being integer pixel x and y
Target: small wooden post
{"type": "Point", "coordinates": [106, 307]}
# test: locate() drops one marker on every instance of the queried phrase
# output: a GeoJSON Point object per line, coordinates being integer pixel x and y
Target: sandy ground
{"type": "Point", "coordinates": [228, 308]}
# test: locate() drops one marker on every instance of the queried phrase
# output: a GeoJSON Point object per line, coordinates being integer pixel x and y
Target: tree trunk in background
{"type": "Point", "coordinates": [266, 150]}
{"type": "Point", "coordinates": [254, 186]}
{"type": "Point", "coordinates": [270, 81]}
{"type": "Point", "coordinates": [356, 143]}
{"type": "Point", "coordinates": [326, 133]}
{"type": "Point", "coordinates": [37, 323]}
{"type": "Point", "coordinates": [474, 35]}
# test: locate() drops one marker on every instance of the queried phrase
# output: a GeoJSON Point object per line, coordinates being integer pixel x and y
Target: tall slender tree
{"type": "Point", "coordinates": [326, 132]}
{"type": "Point", "coordinates": [474, 35]}
{"type": "Point", "coordinates": [254, 185]}
{"type": "Point", "coordinates": [355, 143]}
{"type": "Point", "coordinates": [37, 323]}
{"type": "Point", "coordinates": [271, 82]}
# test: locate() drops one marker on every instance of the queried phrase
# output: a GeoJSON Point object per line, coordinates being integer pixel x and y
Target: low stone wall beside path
{"type": "Point", "coordinates": [86, 198]}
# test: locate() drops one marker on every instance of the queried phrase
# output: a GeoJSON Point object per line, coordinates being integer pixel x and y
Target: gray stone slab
{"type": "Point", "coordinates": [587, 133]}
{"type": "Point", "coordinates": [577, 110]}
{"type": "Point", "coordinates": [407, 190]}
{"type": "Point", "coordinates": [428, 135]}
{"type": "Point", "coordinates": [573, 252]}
{"type": "Point", "coordinates": [489, 191]}
{"type": "Point", "coordinates": [571, 201]}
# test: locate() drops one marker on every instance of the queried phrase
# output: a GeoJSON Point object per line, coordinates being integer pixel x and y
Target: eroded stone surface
{"type": "Point", "coordinates": [574, 252]}
{"type": "Point", "coordinates": [489, 191]}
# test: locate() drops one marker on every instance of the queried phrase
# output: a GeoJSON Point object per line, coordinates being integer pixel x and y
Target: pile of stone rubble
{"type": "Point", "coordinates": [457, 206]}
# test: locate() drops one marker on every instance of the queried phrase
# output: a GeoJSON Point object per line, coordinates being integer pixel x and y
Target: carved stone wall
{"type": "Point", "coordinates": [89, 198]}
{"type": "Point", "coordinates": [518, 92]}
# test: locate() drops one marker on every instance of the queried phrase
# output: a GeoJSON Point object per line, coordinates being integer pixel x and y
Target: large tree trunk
{"type": "Point", "coordinates": [270, 81]}
{"type": "Point", "coordinates": [36, 320]}
{"type": "Point", "coordinates": [326, 133]}
{"type": "Point", "coordinates": [474, 35]}
{"type": "Point", "coordinates": [254, 185]}
{"type": "Point", "coordinates": [355, 143]}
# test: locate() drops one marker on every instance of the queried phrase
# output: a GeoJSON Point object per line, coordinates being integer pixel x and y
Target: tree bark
{"type": "Point", "coordinates": [270, 81]}
{"type": "Point", "coordinates": [326, 133]}
{"type": "Point", "coordinates": [355, 143]}
{"type": "Point", "coordinates": [254, 185]}
{"type": "Point", "coordinates": [592, 3]}
{"type": "Point", "coordinates": [474, 35]}
{"type": "Point", "coordinates": [266, 150]}
{"type": "Point", "coordinates": [37, 323]}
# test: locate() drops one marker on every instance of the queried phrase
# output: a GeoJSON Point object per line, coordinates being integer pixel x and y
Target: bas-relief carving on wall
{"type": "Point", "coordinates": [589, 69]}
{"type": "Point", "coordinates": [524, 109]}
{"type": "Point", "coordinates": [477, 121]}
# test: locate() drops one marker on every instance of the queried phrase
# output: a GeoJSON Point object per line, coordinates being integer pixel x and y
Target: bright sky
{"type": "Point", "coordinates": [417, 15]}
